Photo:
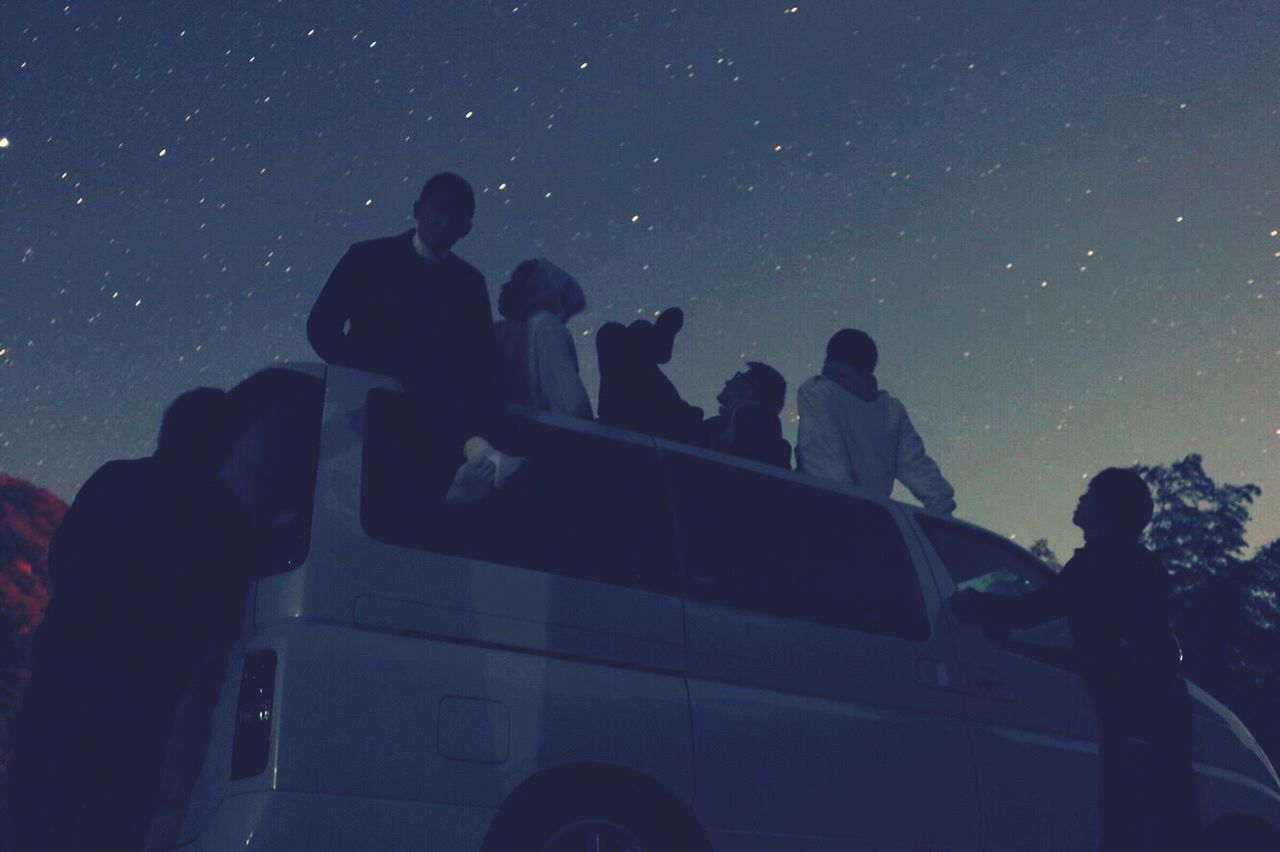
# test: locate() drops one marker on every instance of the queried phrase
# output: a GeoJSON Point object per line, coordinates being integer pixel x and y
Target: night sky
{"type": "Point", "coordinates": [1058, 219]}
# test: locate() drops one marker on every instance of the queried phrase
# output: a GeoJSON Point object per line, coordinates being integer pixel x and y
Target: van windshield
{"type": "Point", "coordinates": [273, 466]}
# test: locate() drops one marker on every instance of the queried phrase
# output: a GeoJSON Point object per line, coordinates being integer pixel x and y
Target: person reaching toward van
{"type": "Point", "coordinates": [853, 431]}
{"type": "Point", "coordinates": [149, 568]}
{"type": "Point", "coordinates": [1115, 594]}
{"type": "Point", "coordinates": [749, 423]}
{"type": "Point", "coordinates": [536, 349]}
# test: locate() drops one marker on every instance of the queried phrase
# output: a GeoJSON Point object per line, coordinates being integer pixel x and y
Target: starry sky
{"type": "Point", "coordinates": [1058, 219]}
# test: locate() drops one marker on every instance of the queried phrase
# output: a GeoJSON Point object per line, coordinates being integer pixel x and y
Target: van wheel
{"type": "Point", "coordinates": [598, 835]}
{"type": "Point", "coordinates": [591, 823]}
{"type": "Point", "coordinates": [1241, 837]}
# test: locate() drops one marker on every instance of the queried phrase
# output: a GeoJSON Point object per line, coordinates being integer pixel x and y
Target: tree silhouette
{"type": "Point", "coordinates": [1258, 650]}
{"type": "Point", "coordinates": [1226, 610]}
{"type": "Point", "coordinates": [28, 516]}
{"type": "Point", "coordinates": [1041, 550]}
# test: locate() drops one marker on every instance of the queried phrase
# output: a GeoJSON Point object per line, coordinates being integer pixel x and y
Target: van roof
{"type": "Point", "coordinates": [615, 433]}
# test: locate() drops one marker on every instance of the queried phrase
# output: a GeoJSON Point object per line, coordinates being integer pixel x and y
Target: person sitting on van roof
{"type": "Point", "coordinates": [749, 423]}
{"type": "Point", "coordinates": [853, 431]}
{"type": "Point", "coordinates": [1115, 595]}
{"type": "Point", "coordinates": [149, 569]}
{"type": "Point", "coordinates": [539, 359]}
{"type": "Point", "coordinates": [407, 306]}
{"type": "Point", "coordinates": [634, 393]}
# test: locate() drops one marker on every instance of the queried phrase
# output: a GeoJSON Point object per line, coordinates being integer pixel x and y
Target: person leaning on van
{"type": "Point", "coordinates": [1115, 596]}
{"type": "Point", "coordinates": [149, 569]}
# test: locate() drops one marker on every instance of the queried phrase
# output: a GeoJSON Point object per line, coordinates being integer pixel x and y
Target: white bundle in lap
{"type": "Point", "coordinates": [485, 470]}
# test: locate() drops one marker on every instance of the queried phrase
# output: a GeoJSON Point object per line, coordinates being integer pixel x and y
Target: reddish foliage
{"type": "Point", "coordinates": [28, 517]}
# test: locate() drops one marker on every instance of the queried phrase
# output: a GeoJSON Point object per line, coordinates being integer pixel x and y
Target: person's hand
{"type": "Point", "coordinates": [472, 483]}
{"type": "Point", "coordinates": [966, 605]}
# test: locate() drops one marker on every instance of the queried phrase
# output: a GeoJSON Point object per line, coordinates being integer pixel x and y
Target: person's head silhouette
{"type": "Point", "coordinates": [540, 285]}
{"type": "Point", "coordinates": [854, 348]}
{"type": "Point", "coordinates": [444, 211]}
{"type": "Point", "coordinates": [198, 429]}
{"type": "Point", "coordinates": [1117, 504]}
{"type": "Point", "coordinates": [759, 384]}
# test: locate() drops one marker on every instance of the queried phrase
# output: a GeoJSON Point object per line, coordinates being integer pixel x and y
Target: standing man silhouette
{"type": "Point", "coordinates": [1115, 596]}
{"type": "Point", "coordinates": [408, 307]}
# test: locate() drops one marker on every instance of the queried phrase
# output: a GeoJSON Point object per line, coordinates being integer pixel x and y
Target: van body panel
{"type": "Point", "coordinates": [352, 579]}
{"type": "Point", "coordinates": [816, 736]}
{"type": "Point", "coordinates": [381, 719]}
{"type": "Point", "coordinates": [1033, 729]}
{"type": "Point", "coordinates": [416, 689]}
{"type": "Point", "coordinates": [309, 822]}
{"type": "Point", "coordinates": [1233, 775]}
{"type": "Point", "coordinates": [1035, 736]}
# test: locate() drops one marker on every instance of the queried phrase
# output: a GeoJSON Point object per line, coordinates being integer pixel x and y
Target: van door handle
{"type": "Point", "coordinates": [932, 673]}
{"type": "Point", "coordinates": [995, 690]}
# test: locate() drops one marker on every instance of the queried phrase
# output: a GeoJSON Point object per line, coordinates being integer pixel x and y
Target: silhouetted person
{"type": "Point", "coordinates": [1115, 596]}
{"type": "Point", "coordinates": [535, 346]}
{"type": "Point", "coordinates": [407, 306]}
{"type": "Point", "coordinates": [149, 570]}
{"type": "Point", "coordinates": [634, 393]}
{"type": "Point", "coordinates": [749, 423]}
{"type": "Point", "coordinates": [853, 431]}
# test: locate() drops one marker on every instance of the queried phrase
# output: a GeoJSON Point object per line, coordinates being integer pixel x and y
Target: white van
{"type": "Point", "coordinates": [640, 646]}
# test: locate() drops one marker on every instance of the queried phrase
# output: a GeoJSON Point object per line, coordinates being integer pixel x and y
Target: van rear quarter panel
{"type": "Point", "coordinates": [419, 719]}
{"type": "Point", "coordinates": [380, 638]}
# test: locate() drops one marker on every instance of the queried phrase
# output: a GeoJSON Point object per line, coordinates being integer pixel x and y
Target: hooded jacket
{"type": "Point", "coordinates": [539, 358]}
{"type": "Point", "coordinates": [852, 431]}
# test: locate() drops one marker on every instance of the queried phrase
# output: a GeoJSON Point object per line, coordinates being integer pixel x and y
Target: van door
{"type": "Point", "coordinates": [538, 626]}
{"type": "Point", "coordinates": [821, 711]}
{"type": "Point", "coordinates": [1034, 730]}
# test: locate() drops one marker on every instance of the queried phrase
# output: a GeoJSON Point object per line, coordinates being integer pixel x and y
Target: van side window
{"type": "Point", "coordinates": [272, 467]}
{"type": "Point", "coordinates": [977, 560]}
{"type": "Point", "coordinates": [771, 545]}
{"type": "Point", "coordinates": [583, 506]}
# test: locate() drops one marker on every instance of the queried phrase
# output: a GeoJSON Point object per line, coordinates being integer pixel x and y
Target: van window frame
{"type": "Point", "coordinates": [819, 488]}
{"type": "Point", "coordinates": [1015, 641]}
{"type": "Point", "coordinates": [284, 556]}
{"type": "Point", "coordinates": [667, 577]}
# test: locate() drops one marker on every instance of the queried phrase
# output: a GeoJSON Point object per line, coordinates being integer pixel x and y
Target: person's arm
{"type": "Point", "coordinates": [482, 389]}
{"type": "Point", "coordinates": [1013, 611]}
{"type": "Point", "coordinates": [333, 308]}
{"type": "Point", "coordinates": [556, 361]}
{"type": "Point", "coordinates": [920, 473]}
{"type": "Point", "coordinates": [820, 451]}
{"type": "Point", "coordinates": [1023, 611]}
{"type": "Point", "coordinates": [91, 519]}
{"type": "Point", "coordinates": [757, 435]}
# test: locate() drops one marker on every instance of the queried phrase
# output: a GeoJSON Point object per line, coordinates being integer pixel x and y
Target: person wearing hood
{"type": "Point", "coordinates": [853, 431]}
{"type": "Point", "coordinates": [539, 359]}
{"type": "Point", "coordinates": [749, 423]}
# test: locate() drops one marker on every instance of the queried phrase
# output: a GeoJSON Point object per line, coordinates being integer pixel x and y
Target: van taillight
{"type": "Point", "coordinates": [251, 745]}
